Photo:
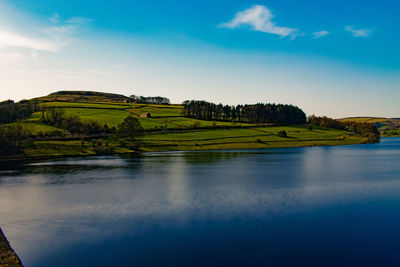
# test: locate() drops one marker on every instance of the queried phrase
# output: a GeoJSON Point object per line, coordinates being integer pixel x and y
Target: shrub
{"type": "Point", "coordinates": [196, 124]}
{"type": "Point", "coordinates": [103, 150]}
{"type": "Point", "coordinates": [282, 133]}
{"type": "Point", "coordinates": [131, 128]}
{"type": "Point", "coordinates": [122, 143]}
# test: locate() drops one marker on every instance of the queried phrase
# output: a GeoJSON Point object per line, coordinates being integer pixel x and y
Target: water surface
{"type": "Point", "coordinates": [293, 206]}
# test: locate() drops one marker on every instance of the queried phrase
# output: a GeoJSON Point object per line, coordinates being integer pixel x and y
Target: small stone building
{"type": "Point", "coordinates": [145, 115]}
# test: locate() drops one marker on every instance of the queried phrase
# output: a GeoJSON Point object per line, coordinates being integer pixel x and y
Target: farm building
{"type": "Point", "coordinates": [145, 115]}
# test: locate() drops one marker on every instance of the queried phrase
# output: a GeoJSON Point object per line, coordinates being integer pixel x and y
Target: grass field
{"type": "Point", "coordinates": [257, 137]}
{"type": "Point", "coordinates": [179, 133]}
{"type": "Point", "coordinates": [86, 105]}
{"type": "Point", "coordinates": [111, 117]}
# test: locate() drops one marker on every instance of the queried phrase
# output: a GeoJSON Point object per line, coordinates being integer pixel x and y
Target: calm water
{"type": "Point", "coordinates": [295, 206]}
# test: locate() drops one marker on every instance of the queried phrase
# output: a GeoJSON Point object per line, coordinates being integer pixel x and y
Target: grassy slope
{"type": "Point", "coordinates": [365, 119]}
{"type": "Point", "coordinates": [257, 137]}
{"type": "Point", "coordinates": [181, 134]}
{"type": "Point", "coordinates": [388, 126]}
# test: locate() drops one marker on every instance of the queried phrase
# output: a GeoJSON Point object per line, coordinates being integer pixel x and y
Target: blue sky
{"type": "Point", "coordinates": [336, 58]}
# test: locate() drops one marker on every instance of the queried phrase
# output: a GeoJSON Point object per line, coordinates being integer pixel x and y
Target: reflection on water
{"type": "Point", "coordinates": [297, 206]}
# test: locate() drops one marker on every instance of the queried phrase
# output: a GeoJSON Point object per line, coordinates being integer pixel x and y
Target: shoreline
{"type": "Point", "coordinates": [8, 257]}
{"type": "Point", "coordinates": [24, 157]}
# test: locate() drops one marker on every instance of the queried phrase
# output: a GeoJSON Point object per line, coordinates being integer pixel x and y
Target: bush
{"type": "Point", "coordinates": [8, 148]}
{"type": "Point", "coordinates": [135, 146]}
{"type": "Point", "coordinates": [55, 133]}
{"type": "Point", "coordinates": [282, 133]}
{"type": "Point", "coordinates": [15, 134]}
{"type": "Point", "coordinates": [103, 150]}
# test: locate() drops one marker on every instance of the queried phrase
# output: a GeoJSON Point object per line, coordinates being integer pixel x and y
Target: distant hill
{"type": "Point", "coordinates": [84, 96]}
{"type": "Point", "coordinates": [380, 123]}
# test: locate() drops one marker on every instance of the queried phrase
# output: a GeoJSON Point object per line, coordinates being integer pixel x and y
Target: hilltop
{"type": "Point", "coordinates": [84, 96]}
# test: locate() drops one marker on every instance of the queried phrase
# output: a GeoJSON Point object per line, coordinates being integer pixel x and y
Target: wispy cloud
{"type": "Point", "coordinates": [78, 20]}
{"type": "Point", "coordinates": [259, 18]}
{"type": "Point", "coordinates": [358, 32]}
{"type": "Point", "coordinates": [320, 34]}
{"type": "Point", "coordinates": [51, 38]}
{"type": "Point", "coordinates": [13, 39]}
{"type": "Point", "coordinates": [56, 18]}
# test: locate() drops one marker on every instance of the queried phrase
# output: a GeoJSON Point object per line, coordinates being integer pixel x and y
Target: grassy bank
{"type": "Point", "coordinates": [237, 138]}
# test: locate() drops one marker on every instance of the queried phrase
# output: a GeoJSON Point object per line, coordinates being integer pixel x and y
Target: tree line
{"type": "Point", "coordinates": [361, 128]}
{"type": "Point", "coordinates": [257, 113]}
{"type": "Point", "coordinates": [14, 135]}
{"type": "Point", "coordinates": [12, 112]}
{"type": "Point", "coordinates": [73, 124]}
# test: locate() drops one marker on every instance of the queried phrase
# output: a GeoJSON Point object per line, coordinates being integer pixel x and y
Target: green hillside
{"type": "Point", "coordinates": [165, 129]}
{"type": "Point", "coordinates": [387, 126]}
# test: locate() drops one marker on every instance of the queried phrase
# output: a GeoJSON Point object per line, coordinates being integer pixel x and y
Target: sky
{"type": "Point", "coordinates": [337, 58]}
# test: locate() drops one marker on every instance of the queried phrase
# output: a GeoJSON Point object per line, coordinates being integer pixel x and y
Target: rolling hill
{"type": "Point", "coordinates": [84, 96]}
{"type": "Point", "coordinates": [165, 129]}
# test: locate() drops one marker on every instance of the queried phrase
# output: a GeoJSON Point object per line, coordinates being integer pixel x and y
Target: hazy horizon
{"type": "Point", "coordinates": [334, 58]}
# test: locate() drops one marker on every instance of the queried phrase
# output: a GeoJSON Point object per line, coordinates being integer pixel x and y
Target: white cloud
{"type": "Point", "coordinates": [13, 39]}
{"type": "Point", "coordinates": [358, 32]}
{"type": "Point", "coordinates": [49, 39]}
{"type": "Point", "coordinates": [259, 18]}
{"type": "Point", "coordinates": [320, 34]}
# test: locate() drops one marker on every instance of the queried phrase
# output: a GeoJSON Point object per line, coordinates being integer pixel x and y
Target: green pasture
{"type": "Point", "coordinates": [110, 117]}
{"type": "Point", "coordinates": [257, 137]}
{"type": "Point", "coordinates": [86, 105]}
{"type": "Point", "coordinates": [35, 127]}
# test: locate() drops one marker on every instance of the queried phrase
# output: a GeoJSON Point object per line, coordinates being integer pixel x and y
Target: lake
{"type": "Point", "coordinates": [293, 206]}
